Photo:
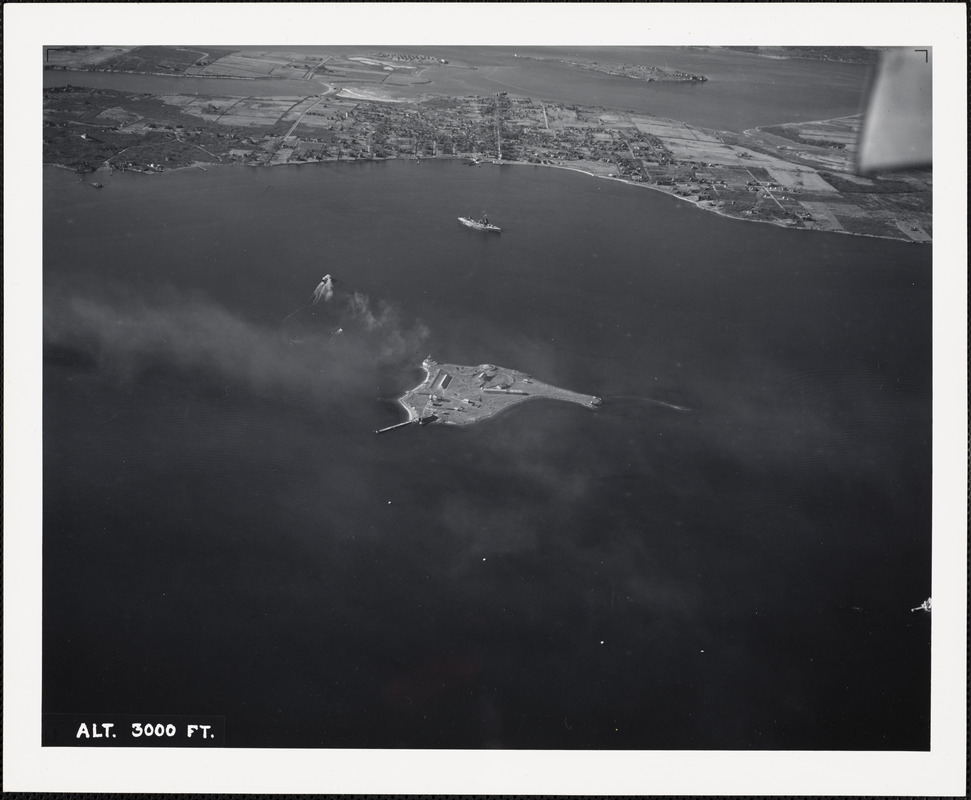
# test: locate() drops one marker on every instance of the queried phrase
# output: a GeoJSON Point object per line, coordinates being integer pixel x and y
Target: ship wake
{"type": "Point", "coordinates": [653, 401]}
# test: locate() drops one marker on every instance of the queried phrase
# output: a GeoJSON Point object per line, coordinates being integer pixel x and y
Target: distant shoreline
{"type": "Point", "coordinates": [797, 174]}
{"type": "Point", "coordinates": [207, 165]}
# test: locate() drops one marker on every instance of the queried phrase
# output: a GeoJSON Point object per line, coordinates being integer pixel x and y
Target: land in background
{"type": "Point", "coordinates": [799, 175]}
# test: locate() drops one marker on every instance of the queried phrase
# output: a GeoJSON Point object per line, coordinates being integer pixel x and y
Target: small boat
{"type": "Point", "coordinates": [98, 185]}
{"type": "Point", "coordinates": [925, 606]}
{"type": "Point", "coordinates": [480, 224]}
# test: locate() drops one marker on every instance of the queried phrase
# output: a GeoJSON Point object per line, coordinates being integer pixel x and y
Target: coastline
{"type": "Point", "coordinates": [155, 74]}
{"type": "Point", "coordinates": [720, 211]}
{"type": "Point", "coordinates": [455, 384]}
{"type": "Point", "coordinates": [797, 175]}
{"type": "Point", "coordinates": [412, 413]}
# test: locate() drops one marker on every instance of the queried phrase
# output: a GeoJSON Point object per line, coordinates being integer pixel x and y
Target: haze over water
{"type": "Point", "coordinates": [735, 575]}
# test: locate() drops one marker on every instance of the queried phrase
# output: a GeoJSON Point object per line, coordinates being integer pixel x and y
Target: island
{"type": "Point", "coordinates": [452, 394]}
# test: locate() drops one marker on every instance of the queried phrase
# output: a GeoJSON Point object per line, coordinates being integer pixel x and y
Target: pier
{"type": "Point", "coordinates": [398, 425]}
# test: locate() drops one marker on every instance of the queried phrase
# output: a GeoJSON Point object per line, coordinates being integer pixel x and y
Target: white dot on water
{"type": "Point", "coordinates": [601, 641]}
{"type": "Point", "coordinates": [483, 559]}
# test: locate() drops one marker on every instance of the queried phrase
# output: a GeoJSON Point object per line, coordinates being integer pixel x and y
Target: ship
{"type": "Point", "coordinates": [480, 224]}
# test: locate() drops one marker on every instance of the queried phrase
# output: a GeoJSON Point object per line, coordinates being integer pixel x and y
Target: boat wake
{"type": "Point", "coordinates": [334, 313]}
{"type": "Point", "coordinates": [647, 401]}
{"type": "Point", "coordinates": [324, 290]}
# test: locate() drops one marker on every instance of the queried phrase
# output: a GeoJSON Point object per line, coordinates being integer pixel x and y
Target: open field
{"type": "Point", "coordinates": [150, 59]}
{"type": "Point", "coordinates": [255, 65]}
{"type": "Point", "coordinates": [81, 57]}
{"type": "Point", "coordinates": [851, 55]}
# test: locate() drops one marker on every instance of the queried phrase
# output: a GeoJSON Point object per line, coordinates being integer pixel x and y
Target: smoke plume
{"type": "Point", "coordinates": [127, 336]}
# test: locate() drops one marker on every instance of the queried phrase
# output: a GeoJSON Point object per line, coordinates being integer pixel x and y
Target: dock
{"type": "Point", "coordinates": [398, 425]}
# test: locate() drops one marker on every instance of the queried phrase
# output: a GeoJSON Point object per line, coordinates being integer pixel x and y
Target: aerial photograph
{"type": "Point", "coordinates": [439, 396]}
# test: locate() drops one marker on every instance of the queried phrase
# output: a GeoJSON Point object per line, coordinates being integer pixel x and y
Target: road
{"type": "Point", "coordinates": [635, 158]}
{"type": "Point", "coordinates": [200, 147]}
{"type": "Point", "coordinates": [766, 190]}
{"type": "Point", "coordinates": [300, 119]}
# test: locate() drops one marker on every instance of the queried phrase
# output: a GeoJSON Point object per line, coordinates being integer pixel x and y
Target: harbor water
{"type": "Point", "coordinates": [723, 555]}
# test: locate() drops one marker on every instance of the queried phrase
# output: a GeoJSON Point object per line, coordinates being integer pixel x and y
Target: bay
{"type": "Point", "coordinates": [742, 90]}
{"type": "Point", "coordinates": [723, 556]}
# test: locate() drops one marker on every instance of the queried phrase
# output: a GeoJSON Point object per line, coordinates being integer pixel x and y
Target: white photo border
{"type": "Point", "coordinates": [28, 767]}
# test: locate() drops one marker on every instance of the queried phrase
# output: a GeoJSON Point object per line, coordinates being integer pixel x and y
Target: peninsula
{"type": "Point", "coordinates": [452, 394]}
{"type": "Point", "coordinates": [377, 106]}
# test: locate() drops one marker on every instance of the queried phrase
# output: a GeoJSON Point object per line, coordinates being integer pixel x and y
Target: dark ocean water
{"type": "Point", "coordinates": [724, 555]}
